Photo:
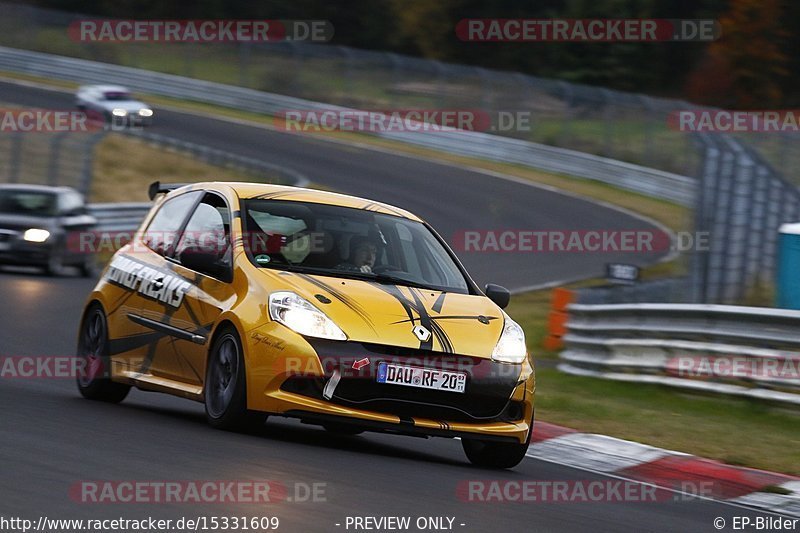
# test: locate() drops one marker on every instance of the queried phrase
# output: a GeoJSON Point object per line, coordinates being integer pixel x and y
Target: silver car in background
{"type": "Point", "coordinates": [114, 105]}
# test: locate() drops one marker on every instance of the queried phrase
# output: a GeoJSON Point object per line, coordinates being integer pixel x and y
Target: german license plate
{"type": "Point", "coordinates": [423, 378]}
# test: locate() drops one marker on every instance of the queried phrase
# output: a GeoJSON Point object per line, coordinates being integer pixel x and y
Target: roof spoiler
{"type": "Point", "coordinates": [157, 188]}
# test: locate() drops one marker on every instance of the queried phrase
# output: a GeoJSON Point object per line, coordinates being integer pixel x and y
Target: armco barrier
{"type": "Point", "coordinates": [119, 217]}
{"type": "Point", "coordinates": [743, 351]}
{"type": "Point", "coordinates": [656, 183]}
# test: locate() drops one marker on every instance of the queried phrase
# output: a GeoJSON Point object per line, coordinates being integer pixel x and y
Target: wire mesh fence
{"type": "Point", "coordinates": [48, 159]}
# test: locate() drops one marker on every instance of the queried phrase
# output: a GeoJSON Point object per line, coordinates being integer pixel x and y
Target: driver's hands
{"type": "Point", "coordinates": [366, 269]}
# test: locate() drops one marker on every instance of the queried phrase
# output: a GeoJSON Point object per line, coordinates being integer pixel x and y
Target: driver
{"type": "Point", "coordinates": [363, 254]}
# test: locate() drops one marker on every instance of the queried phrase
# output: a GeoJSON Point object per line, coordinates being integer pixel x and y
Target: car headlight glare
{"type": "Point", "coordinates": [117, 112]}
{"type": "Point", "coordinates": [145, 112]}
{"type": "Point", "coordinates": [511, 346]}
{"type": "Point", "coordinates": [36, 235]}
{"type": "Point", "coordinates": [300, 316]}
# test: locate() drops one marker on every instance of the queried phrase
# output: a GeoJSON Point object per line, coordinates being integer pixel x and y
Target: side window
{"type": "Point", "coordinates": [208, 230]}
{"type": "Point", "coordinates": [163, 229]}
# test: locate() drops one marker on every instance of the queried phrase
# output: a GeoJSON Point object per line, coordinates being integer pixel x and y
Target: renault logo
{"type": "Point", "coordinates": [422, 333]}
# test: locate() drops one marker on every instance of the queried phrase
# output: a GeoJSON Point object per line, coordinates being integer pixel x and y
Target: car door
{"type": "Point", "coordinates": [207, 230]}
{"type": "Point", "coordinates": [153, 291]}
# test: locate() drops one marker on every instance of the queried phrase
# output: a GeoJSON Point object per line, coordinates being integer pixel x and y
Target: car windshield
{"type": "Point", "coordinates": [117, 96]}
{"type": "Point", "coordinates": [346, 242]}
{"type": "Point", "coordinates": [27, 202]}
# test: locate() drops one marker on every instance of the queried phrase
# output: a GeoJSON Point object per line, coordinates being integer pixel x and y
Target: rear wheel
{"type": "Point", "coordinates": [93, 378]}
{"type": "Point", "coordinates": [226, 387]}
{"type": "Point", "coordinates": [489, 454]}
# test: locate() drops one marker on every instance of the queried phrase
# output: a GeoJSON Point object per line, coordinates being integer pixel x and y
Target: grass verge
{"type": "Point", "coordinates": [733, 430]}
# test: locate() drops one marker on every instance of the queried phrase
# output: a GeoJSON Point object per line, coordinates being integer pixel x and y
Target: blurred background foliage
{"type": "Point", "coordinates": [753, 66]}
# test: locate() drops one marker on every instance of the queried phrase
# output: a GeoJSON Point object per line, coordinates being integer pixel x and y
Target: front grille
{"type": "Point", "coordinates": [486, 398]}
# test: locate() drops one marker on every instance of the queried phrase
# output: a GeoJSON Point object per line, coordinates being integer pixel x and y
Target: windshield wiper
{"type": "Point", "coordinates": [390, 280]}
{"type": "Point", "coordinates": [352, 274]}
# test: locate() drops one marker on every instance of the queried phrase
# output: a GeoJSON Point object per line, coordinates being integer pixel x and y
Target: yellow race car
{"type": "Point", "coordinates": [344, 312]}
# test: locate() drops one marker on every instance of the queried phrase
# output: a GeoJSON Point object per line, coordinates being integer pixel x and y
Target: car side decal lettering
{"type": "Point", "coordinates": [148, 281]}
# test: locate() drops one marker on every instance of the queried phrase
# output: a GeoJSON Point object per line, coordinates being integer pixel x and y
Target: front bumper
{"type": "Point", "coordinates": [16, 251]}
{"type": "Point", "coordinates": [497, 403]}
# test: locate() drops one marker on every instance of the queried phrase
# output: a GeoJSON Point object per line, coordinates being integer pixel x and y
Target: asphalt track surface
{"type": "Point", "coordinates": [51, 439]}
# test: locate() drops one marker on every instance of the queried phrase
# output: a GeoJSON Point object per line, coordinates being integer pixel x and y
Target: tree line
{"type": "Point", "coordinates": [754, 65]}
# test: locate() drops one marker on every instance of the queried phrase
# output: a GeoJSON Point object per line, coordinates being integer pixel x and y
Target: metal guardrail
{"type": "Point", "coordinates": [265, 171]}
{"type": "Point", "coordinates": [660, 184]}
{"type": "Point", "coordinates": [744, 351]}
{"type": "Point", "coordinates": [119, 217]}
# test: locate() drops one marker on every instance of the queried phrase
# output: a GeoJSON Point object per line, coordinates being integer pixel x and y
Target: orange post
{"type": "Point", "coordinates": [557, 319]}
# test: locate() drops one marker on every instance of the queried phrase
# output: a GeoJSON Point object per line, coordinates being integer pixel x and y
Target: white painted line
{"type": "Point", "coordinates": [597, 452]}
{"type": "Point", "coordinates": [688, 496]}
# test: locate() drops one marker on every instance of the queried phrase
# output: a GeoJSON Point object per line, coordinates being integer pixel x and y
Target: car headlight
{"type": "Point", "coordinates": [511, 346]}
{"type": "Point", "coordinates": [36, 235]}
{"type": "Point", "coordinates": [300, 316]}
{"type": "Point", "coordinates": [117, 112]}
{"type": "Point", "coordinates": [145, 112]}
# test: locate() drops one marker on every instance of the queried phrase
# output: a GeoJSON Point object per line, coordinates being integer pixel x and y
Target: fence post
{"type": "Point", "coordinates": [707, 175]}
{"type": "Point", "coordinates": [14, 157]}
{"type": "Point", "coordinates": [53, 166]}
{"type": "Point", "coordinates": [88, 161]}
{"type": "Point", "coordinates": [245, 52]}
{"type": "Point", "coordinates": [566, 123]}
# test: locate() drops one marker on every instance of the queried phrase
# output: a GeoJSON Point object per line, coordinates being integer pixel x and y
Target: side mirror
{"type": "Point", "coordinates": [77, 212]}
{"type": "Point", "coordinates": [498, 295]}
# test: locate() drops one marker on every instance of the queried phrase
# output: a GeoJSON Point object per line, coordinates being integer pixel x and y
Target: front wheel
{"type": "Point", "coordinates": [496, 454]}
{"type": "Point", "coordinates": [93, 378]}
{"type": "Point", "coordinates": [226, 388]}
{"type": "Point", "coordinates": [55, 261]}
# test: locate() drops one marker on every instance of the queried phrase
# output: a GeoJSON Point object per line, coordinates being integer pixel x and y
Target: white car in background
{"type": "Point", "coordinates": [113, 104]}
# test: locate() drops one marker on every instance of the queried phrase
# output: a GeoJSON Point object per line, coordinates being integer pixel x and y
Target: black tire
{"type": "Point", "coordinates": [55, 261]}
{"type": "Point", "coordinates": [89, 268]}
{"type": "Point", "coordinates": [93, 379]}
{"type": "Point", "coordinates": [225, 388]}
{"type": "Point", "coordinates": [487, 454]}
{"type": "Point", "coordinates": [343, 429]}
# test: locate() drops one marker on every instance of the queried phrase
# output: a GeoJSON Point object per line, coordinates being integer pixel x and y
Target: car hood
{"type": "Point", "coordinates": [130, 106]}
{"type": "Point", "coordinates": [22, 222]}
{"type": "Point", "coordinates": [387, 314]}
